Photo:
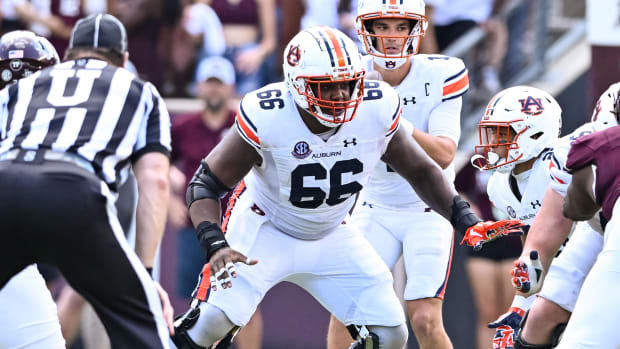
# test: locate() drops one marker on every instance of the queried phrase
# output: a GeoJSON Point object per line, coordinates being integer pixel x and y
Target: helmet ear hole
{"type": "Point", "coordinates": [536, 135]}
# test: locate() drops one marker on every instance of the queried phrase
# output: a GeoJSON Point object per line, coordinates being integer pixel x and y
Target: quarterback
{"type": "Point", "coordinates": [390, 214]}
{"type": "Point", "coordinates": [303, 149]}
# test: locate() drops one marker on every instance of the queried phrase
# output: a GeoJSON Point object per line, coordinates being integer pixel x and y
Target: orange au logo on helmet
{"type": "Point", "coordinates": [293, 55]}
{"type": "Point", "coordinates": [531, 106]}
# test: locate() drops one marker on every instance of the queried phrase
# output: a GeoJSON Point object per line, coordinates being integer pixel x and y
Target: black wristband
{"type": "Point", "coordinates": [211, 238]}
{"type": "Point", "coordinates": [462, 216]}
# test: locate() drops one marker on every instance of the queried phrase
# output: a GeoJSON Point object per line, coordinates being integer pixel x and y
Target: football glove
{"type": "Point", "coordinates": [483, 232]}
{"type": "Point", "coordinates": [527, 274]}
{"type": "Point", "coordinates": [506, 328]}
{"type": "Point", "coordinates": [560, 180]}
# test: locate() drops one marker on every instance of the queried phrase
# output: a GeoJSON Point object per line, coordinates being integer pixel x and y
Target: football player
{"type": "Point", "coordinates": [547, 318]}
{"type": "Point", "coordinates": [390, 214]}
{"type": "Point", "coordinates": [593, 163]}
{"type": "Point", "coordinates": [303, 148]}
{"type": "Point", "coordinates": [29, 317]}
{"type": "Point", "coordinates": [517, 133]}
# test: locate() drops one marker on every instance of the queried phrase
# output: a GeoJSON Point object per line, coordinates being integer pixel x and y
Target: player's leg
{"type": "Point", "coordinates": [485, 276]}
{"type": "Point", "coordinates": [28, 318]}
{"type": "Point", "coordinates": [344, 273]}
{"type": "Point", "coordinates": [227, 309]}
{"type": "Point", "coordinates": [427, 253]}
{"type": "Point", "coordinates": [367, 220]}
{"type": "Point", "coordinates": [562, 286]}
{"type": "Point", "coordinates": [591, 324]}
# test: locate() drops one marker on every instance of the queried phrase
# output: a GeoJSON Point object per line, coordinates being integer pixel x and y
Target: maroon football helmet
{"type": "Point", "coordinates": [23, 53]}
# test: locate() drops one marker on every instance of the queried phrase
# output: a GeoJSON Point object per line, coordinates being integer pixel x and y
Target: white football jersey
{"type": "Point", "coordinates": [560, 154]}
{"type": "Point", "coordinates": [306, 185]}
{"type": "Point", "coordinates": [520, 197]}
{"type": "Point", "coordinates": [432, 80]}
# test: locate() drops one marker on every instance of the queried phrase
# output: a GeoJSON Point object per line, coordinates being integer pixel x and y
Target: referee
{"type": "Point", "coordinates": [69, 135]}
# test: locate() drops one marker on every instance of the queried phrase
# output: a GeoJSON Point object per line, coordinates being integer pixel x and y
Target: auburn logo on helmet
{"type": "Point", "coordinates": [293, 55]}
{"type": "Point", "coordinates": [531, 106]}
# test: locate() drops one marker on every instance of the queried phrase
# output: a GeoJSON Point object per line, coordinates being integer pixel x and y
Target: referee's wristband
{"type": "Point", "coordinates": [211, 238]}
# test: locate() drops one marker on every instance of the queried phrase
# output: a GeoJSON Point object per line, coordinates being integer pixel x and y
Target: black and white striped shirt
{"type": "Point", "coordinates": [87, 107]}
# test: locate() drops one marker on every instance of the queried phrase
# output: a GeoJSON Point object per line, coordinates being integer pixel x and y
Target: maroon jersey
{"type": "Point", "coordinates": [600, 149]}
{"type": "Point", "coordinates": [192, 141]}
{"type": "Point", "coordinates": [69, 11]}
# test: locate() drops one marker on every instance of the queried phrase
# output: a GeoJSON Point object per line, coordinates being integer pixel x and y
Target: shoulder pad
{"type": "Point", "coordinates": [256, 110]}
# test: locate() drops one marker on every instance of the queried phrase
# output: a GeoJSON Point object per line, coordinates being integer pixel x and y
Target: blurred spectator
{"type": "Point", "coordinates": [22, 14]}
{"type": "Point", "coordinates": [604, 37]}
{"type": "Point", "coordinates": [197, 35]}
{"type": "Point", "coordinates": [68, 12]}
{"type": "Point", "coordinates": [299, 14]}
{"type": "Point", "coordinates": [143, 20]}
{"type": "Point", "coordinates": [193, 136]}
{"type": "Point", "coordinates": [250, 33]}
{"type": "Point", "coordinates": [449, 20]}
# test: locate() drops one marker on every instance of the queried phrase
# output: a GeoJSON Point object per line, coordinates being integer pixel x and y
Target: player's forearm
{"type": "Point", "coordinates": [549, 229]}
{"type": "Point", "coordinates": [440, 149]}
{"type": "Point", "coordinates": [154, 194]}
{"type": "Point", "coordinates": [579, 203]}
{"type": "Point", "coordinates": [205, 210]}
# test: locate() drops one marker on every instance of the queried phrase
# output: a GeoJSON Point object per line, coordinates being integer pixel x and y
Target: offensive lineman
{"type": "Point", "coordinates": [302, 156]}
{"type": "Point", "coordinates": [392, 217]}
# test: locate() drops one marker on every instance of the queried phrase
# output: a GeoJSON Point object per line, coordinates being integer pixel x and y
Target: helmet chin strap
{"type": "Point", "coordinates": [389, 63]}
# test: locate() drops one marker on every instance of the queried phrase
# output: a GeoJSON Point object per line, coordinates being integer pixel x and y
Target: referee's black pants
{"type": "Point", "coordinates": [56, 213]}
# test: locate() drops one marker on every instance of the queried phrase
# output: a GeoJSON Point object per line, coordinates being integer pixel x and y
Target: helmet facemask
{"type": "Point", "coordinates": [328, 112]}
{"type": "Point", "coordinates": [409, 45]}
{"type": "Point", "coordinates": [499, 147]}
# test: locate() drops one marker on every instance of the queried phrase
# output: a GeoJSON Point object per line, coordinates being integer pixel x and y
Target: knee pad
{"type": "Point", "coordinates": [364, 339]}
{"type": "Point", "coordinates": [378, 337]}
{"type": "Point", "coordinates": [182, 323]}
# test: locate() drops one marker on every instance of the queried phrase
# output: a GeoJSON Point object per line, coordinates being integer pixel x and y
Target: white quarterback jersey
{"type": "Point", "coordinates": [306, 185]}
{"type": "Point", "coordinates": [432, 80]}
{"type": "Point", "coordinates": [521, 196]}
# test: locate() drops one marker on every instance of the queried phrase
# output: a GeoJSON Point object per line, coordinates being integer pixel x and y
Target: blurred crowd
{"type": "Point", "coordinates": [169, 38]}
{"type": "Point", "coordinates": [218, 50]}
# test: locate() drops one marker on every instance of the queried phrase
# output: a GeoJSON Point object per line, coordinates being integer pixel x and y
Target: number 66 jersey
{"type": "Point", "coordinates": [305, 184]}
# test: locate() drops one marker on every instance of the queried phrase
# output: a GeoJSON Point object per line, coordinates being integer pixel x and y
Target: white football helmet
{"type": "Point", "coordinates": [412, 10]}
{"type": "Point", "coordinates": [522, 119]}
{"type": "Point", "coordinates": [323, 55]}
{"type": "Point", "coordinates": [607, 110]}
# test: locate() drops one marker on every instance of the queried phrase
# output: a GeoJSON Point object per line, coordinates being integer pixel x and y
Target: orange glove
{"type": "Point", "coordinates": [483, 232]}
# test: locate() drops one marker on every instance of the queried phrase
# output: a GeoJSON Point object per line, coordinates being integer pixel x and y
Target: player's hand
{"type": "Point", "coordinates": [483, 232]}
{"type": "Point", "coordinates": [560, 180]}
{"type": "Point", "coordinates": [506, 328]}
{"type": "Point", "coordinates": [527, 274]}
{"type": "Point", "coordinates": [223, 266]}
{"type": "Point", "coordinates": [166, 307]}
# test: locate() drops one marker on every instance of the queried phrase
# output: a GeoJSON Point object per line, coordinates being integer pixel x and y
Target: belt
{"type": "Point", "coordinates": [48, 154]}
